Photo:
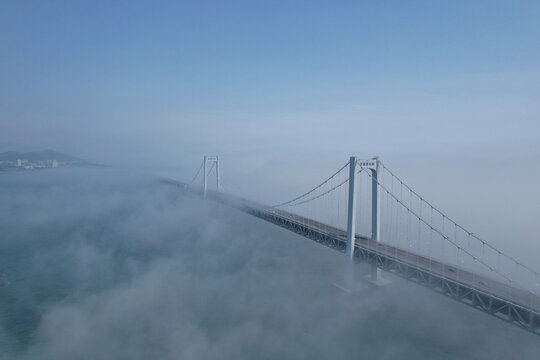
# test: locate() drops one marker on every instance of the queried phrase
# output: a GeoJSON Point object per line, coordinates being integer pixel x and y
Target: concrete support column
{"type": "Point", "coordinates": [351, 211]}
{"type": "Point", "coordinates": [205, 176]}
{"type": "Point", "coordinates": [375, 224]}
{"type": "Point", "coordinates": [375, 218]}
{"type": "Point", "coordinates": [217, 174]}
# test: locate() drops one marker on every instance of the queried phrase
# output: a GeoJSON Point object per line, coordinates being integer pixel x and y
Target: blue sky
{"type": "Point", "coordinates": [446, 92]}
{"type": "Point", "coordinates": [135, 81]}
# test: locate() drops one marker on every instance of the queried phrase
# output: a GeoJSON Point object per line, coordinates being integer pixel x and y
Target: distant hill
{"type": "Point", "coordinates": [36, 160]}
{"type": "Point", "coordinates": [44, 155]}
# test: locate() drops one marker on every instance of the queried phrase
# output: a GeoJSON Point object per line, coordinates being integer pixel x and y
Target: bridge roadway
{"type": "Point", "coordinates": [509, 303]}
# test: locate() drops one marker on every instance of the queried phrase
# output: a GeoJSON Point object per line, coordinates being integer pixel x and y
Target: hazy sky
{"type": "Point", "coordinates": [447, 93]}
{"type": "Point", "coordinates": [164, 82]}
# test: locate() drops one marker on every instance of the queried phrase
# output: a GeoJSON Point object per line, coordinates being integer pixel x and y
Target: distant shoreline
{"type": "Point", "coordinates": [13, 161]}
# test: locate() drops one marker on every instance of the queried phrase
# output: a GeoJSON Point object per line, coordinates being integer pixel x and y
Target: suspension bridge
{"type": "Point", "coordinates": [371, 215]}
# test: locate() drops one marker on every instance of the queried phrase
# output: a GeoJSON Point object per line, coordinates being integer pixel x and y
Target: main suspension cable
{"type": "Point", "coordinates": [469, 233]}
{"type": "Point", "coordinates": [312, 190]}
{"type": "Point", "coordinates": [445, 237]}
{"type": "Point", "coordinates": [197, 174]}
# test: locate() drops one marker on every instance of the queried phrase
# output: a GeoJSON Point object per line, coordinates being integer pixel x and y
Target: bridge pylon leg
{"type": "Point", "coordinates": [375, 276]}
{"type": "Point", "coordinates": [207, 160]}
{"type": "Point", "coordinates": [348, 284]}
{"type": "Point", "coordinates": [218, 185]}
{"type": "Point", "coordinates": [351, 211]}
{"type": "Point", "coordinates": [205, 176]}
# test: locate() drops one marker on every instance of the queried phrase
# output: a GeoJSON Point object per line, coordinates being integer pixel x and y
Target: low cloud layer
{"type": "Point", "coordinates": [103, 264]}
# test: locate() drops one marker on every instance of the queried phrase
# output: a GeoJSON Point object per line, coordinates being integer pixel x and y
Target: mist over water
{"type": "Point", "coordinates": [110, 264]}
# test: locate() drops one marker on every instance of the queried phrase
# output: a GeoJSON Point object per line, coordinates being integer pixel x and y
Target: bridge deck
{"type": "Point", "coordinates": [509, 303]}
{"type": "Point", "coordinates": [452, 272]}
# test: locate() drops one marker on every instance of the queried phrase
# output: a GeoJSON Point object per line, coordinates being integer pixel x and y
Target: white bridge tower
{"type": "Point", "coordinates": [207, 161]}
{"type": "Point", "coordinates": [373, 166]}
